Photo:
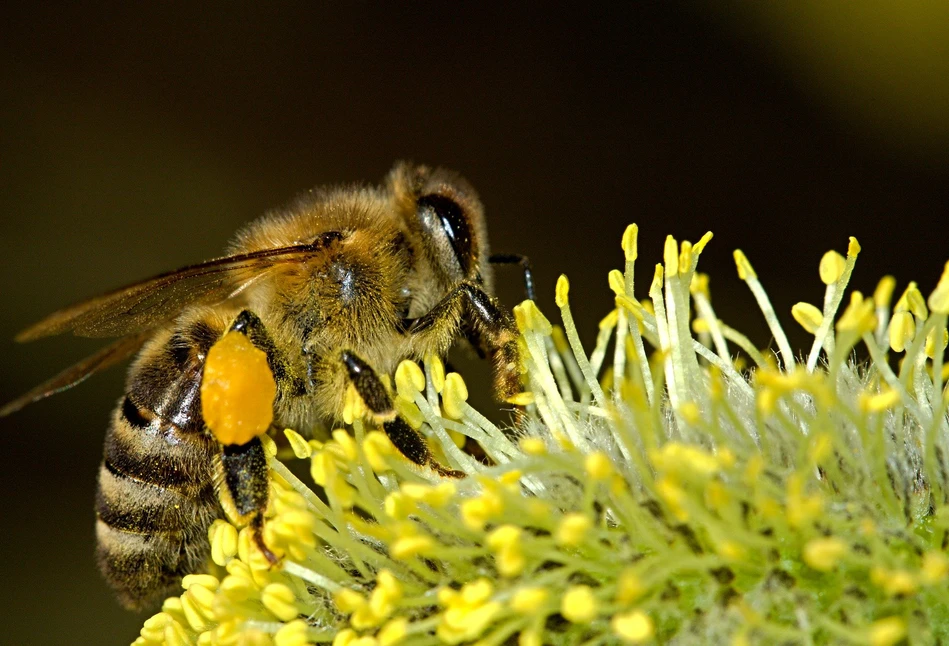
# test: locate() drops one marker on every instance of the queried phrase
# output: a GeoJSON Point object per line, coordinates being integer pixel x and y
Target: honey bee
{"type": "Point", "coordinates": [336, 290]}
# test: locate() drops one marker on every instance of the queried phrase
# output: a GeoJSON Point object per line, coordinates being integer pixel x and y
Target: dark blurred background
{"type": "Point", "coordinates": [135, 139]}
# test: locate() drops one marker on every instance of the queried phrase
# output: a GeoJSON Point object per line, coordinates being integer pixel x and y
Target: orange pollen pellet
{"type": "Point", "coordinates": [237, 390]}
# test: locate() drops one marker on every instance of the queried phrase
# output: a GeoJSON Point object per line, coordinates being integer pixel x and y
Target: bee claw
{"type": "Point", "coordinates": [258, 525]}
{"type": "Point", "coordinates": [445, 472]}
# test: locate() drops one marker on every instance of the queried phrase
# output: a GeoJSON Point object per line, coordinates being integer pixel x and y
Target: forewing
{"type": "Point", "coordinates": [144, 305]}
{"type": "Point", "coordinates": [104, 358]}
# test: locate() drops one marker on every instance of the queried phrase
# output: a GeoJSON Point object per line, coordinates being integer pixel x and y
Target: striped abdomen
{"type": "Point", "coordinates": [156, 497]}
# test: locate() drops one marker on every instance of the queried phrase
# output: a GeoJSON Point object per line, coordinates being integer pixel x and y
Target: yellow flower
{"type": "Point", "coordinates": [824, 554]}
{"type": "Point", "coordinates": [633, 627]}
{"type": "Point", "coordinates": [579, 605]}
{"type": "Point", "coordinates": [573, 529]}
{"type": "Point", "coordinates": [669, 480]}
{"type": "Point", "coordinates": [467, 612]}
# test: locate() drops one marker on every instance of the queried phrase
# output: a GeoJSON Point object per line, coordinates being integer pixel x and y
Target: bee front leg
{"type": "Point", "coordinates": [489, 328]}
{"type": "Point", "coordinates": [245, 487]}
{"type": "Point", "coordinates": [406, 439]}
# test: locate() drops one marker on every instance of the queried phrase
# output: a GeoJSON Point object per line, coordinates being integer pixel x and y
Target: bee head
{"type": "Point", "coordinates": [444, 212]}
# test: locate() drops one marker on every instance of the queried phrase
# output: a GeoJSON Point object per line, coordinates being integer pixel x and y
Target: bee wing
{"type": "Point", "coordinates": [146, 304]}
{"type": "Point", "coordinates": [104, 358]}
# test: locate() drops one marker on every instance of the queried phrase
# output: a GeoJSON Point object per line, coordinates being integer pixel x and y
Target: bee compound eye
{"type": "Point", "coordinates": [440, 214]}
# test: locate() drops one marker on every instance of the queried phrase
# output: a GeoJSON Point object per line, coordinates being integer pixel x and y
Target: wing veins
{"type": "Point", "coordinates": [148, 303]}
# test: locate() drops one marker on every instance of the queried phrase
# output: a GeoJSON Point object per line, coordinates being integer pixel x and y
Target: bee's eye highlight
{"type": "Point", "coordinates": [443, 212]}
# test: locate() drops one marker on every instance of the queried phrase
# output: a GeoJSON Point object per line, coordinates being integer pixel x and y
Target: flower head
{"type": "Point", "coordinates": [672, 481]}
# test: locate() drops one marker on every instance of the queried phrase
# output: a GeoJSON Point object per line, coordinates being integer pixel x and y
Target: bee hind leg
{"type": "Point", "coordinates": [406, 439]}
{"type": "Point", "coordinates": [245, 487]}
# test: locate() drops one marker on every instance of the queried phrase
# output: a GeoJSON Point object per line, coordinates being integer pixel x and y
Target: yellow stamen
{"type": "Point", "coordinates": [617, 282]}
{"type": "Point", "coordinates": [454, 395]}
{"type": "Point", "coordinates": [529, 600]}
{"type": "Point", "coordinates": [832, 266]}
{"type": "Point", "coordinates": [562, 291]}
{"type": "Point", "coordinates": [939, 299]}
{"type": "Point", "coordinates": [301, 448]}
{"type": "Point", "coordinates": [573, 529]}
{"type": "Point", "coordinates": [808, 316]}
{"type": "Point", "coordinates": [598, 466]}
{"type": "Point", "coordinates": [883, 294]}
{"type": "Point", "coordinates": [670, 257]}
{"type": "Point", "coordinates": [902, 330]}
{"type": "Point", "coordinates": [393, 632]}
{"type": "Point", "coordinates": [292, 634]}
{"type": "Point", "coordinates": [633, 627]}
{"type": "Point", "coordinates": [887, 631]}
{"type": "Point", "coordinates": [823, 554]}
{"type": "Point", "coordinates": [409, 379]}
{"type": "Point", "coordinates": [437, 369]}
{"type": "Point", "coordinates": [745, 271]}
{"type": "Point", "coordinates": [579, 605]}
{"type": "Point", "coordinates": [223, 538]}
{"type": "Point", "coordinates": [629, 243]}
{"type": "Point", "coordinates": [279, 599]}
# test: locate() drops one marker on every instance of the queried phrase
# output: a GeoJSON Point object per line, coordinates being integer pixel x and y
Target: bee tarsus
{"type": "Point", "coordinates": [257, 526]}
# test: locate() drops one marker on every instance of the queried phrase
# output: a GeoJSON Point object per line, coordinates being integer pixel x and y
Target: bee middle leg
{"type": "Point", "coordinates": [406, 439]}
